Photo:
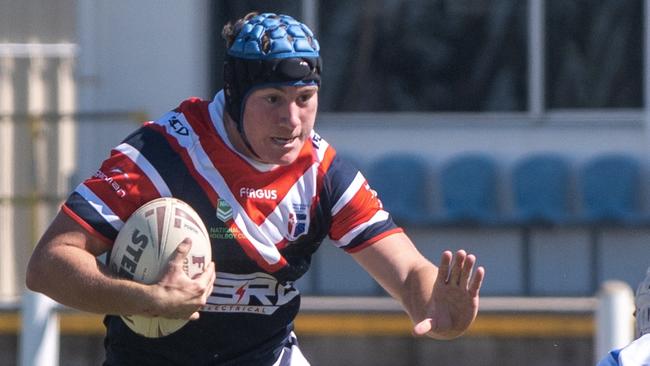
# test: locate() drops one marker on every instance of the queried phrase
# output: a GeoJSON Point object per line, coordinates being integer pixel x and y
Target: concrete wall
{"type": "Point", "coordinates": [140, 59]}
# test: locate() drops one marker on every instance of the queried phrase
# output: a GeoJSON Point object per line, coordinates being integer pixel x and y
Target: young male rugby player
{"type": "Point", "coordinates": [269, 190]}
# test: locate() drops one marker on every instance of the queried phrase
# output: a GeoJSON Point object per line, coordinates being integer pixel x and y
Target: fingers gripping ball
{"type": "Point", "coordinates": [145, 245]}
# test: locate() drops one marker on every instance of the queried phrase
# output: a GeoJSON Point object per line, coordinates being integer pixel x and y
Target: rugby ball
{"type": "Point", "coordinates": [144, 246]}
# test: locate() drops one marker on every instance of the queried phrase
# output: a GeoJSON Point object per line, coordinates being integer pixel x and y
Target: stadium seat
{"type": "Point", "coordinates": [468, 185]}
{"type": "Point", "coordinates": [610, 185]}
{"type": "Point", "coordinates": [540, 186]}
{"type": "Point", "coordinates": [402, 182]}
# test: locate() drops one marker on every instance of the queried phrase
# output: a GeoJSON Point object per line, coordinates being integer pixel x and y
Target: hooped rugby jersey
{"type": "Point", "coordinates": [264, 224]}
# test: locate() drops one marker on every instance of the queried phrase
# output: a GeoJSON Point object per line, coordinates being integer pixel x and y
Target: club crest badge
{"type": "Point", "coordinates": [298, 221]}
{"type": "Point", "coordinates": [224, 210]}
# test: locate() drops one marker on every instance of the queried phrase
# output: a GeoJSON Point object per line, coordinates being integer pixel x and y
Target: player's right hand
{"type": "Point", "coordinates": [179, 296]}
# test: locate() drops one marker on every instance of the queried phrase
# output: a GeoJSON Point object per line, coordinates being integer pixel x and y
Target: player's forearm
{"type": "Point", "coordinates": [416, 293]}
{"type": "Point", "coordinates": [402, 271]}
{"type": "Point", "coordinates": [74, 277]}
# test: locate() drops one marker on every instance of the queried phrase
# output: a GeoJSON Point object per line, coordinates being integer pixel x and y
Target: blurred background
{"type": "Point", "coordinates": [518, 130]}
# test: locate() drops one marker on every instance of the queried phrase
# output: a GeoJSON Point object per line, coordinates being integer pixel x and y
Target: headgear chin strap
{"type": "Point", "coordinates": [269, 50]}
{"type": "Point", "coordinates": [241, 76]}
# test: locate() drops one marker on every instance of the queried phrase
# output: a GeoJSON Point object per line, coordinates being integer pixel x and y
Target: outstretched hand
{"type": "Point", "coordinates": [454, 302]}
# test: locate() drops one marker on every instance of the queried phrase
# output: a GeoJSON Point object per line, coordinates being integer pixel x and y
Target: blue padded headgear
{"type": "Point", "coordinates": [287, 37]}
{"type": "Point", "coordinates": [269, 49]}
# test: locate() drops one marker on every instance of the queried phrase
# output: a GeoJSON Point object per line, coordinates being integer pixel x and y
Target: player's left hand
{"type": "Point", "coordinates": [455, 299]}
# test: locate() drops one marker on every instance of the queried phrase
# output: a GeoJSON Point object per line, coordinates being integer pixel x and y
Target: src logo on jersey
{"type": "Point", "coordinates": [254, 293]}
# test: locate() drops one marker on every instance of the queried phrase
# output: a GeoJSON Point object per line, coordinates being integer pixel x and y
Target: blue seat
{"type": "Point", "coordinates": [541, 185]}
{"type": "Point", "coordinates": [468, 184]}
{"type": "Point", "coordinates": [610, 185]}
{"type": "Point", "coordinates": [402, 183]}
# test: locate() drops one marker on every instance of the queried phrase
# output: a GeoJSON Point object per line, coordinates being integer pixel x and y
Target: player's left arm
{"type": "Point", "coordinates": [441, 301]}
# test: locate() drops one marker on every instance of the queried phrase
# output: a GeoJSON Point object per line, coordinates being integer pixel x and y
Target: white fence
{"type": "Point", "coordinates": [37, 159]}
{"type": "Point", "coordinates": [614, 319]}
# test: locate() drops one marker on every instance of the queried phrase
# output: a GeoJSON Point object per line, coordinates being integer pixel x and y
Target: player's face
{"type": "Point", "coordinates": [279, 120]}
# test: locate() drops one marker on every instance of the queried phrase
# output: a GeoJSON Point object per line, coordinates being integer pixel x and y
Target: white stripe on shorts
{"type": "Point", "coordinates": [291, 354]}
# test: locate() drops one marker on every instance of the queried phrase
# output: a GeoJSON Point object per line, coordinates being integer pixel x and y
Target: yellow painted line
{"type": "Point", "coordinates": [82, 324]}
{"type": "Point", "coordinates": [533, 325]}
{"type": "Point", "coordinates": [69, 323]}
{"type": "Point", "coordinates": [352, 324]}
{"type": "Point", "coordinates": [9, 323]}
{"type": "Point", "coordinates": [375, 324]}
{"type": "Point", "coordinates": [492, 325]}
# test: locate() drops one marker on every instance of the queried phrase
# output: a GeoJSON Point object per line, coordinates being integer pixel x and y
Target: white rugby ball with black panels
{"type": "Point", "coordinates": [145, 245]}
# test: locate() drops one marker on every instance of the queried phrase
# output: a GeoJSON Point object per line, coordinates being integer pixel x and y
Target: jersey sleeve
{"type": "Point", "coordinates": [358, 217]}
{"type": "Point", "coordinates": [124, 181]}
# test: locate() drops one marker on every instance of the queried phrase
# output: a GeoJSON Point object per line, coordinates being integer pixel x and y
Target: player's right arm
{"type": "Point", "coordinates": [64, 266]}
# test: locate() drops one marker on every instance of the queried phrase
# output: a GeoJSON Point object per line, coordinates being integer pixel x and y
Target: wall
{"type": "Point", "coordinates": [138, 60]}
{"type": "Point", "coordinates": [507, 137]}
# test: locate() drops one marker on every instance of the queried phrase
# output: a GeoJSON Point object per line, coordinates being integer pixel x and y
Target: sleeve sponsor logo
{"type": "Point", "coordinates": [110, 180]}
